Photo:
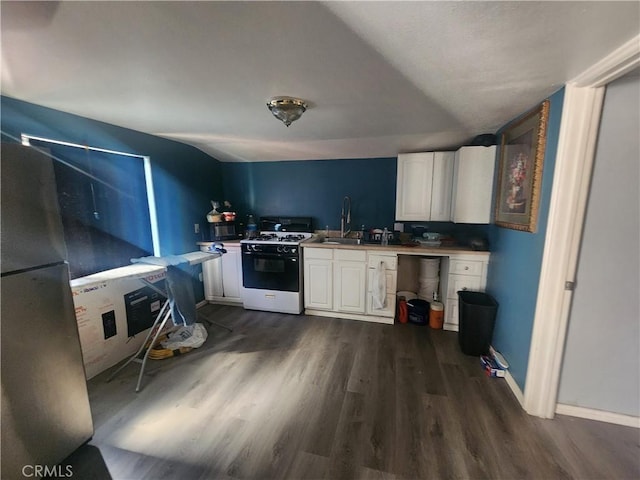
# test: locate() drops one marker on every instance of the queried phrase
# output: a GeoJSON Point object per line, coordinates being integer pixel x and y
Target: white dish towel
{"type": "Point", "coordinates": [379, 287]}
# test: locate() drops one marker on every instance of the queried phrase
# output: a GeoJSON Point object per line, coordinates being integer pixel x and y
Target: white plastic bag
{"type": "Point", "coordinates": [191, 336]}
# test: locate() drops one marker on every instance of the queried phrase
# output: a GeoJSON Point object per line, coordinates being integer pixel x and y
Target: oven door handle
{"type": "Point", "coordinates": [271, 255]}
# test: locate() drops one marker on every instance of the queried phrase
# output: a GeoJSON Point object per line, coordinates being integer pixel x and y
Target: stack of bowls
{"type": "Point", "coordinates": [429, 278]}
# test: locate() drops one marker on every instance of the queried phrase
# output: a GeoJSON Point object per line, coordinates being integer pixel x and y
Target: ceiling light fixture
{"type": "Point", "coordinates": [287, 109]}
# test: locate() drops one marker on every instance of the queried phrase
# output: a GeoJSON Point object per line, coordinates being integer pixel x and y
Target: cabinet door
{"type": "Point", "coordinates": [442, 186]}
{"type": "Point", "coordinates": [389, 308]}
{"type": "Point", "coordinates": [232, 273]}
{"type": "Point", "coordinates": [413, 187]}
{"type": "Point", "coordinates": [318, 284]}
{"type": "Point", "coordinates": [473, 184]}
{"type": "Point", "coordinates": [349, 286]}
{"type": "Point", "coordinates": [212, 278]}
{"type": "Point", "coordinates": [451, 321]}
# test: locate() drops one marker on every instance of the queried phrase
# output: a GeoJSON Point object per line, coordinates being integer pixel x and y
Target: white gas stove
{"type": "Point", "coordinates": [278, 238]}
{"type": "Point", "coordinates": [272, 265]}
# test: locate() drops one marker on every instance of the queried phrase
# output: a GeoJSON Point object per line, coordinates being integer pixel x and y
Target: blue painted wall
{"type": "Point", "coordinates": [184, 178]}
{"type": "Point", "coordinates": [516, 260]}
{"type": "Point", "coordinates": [315, 189]}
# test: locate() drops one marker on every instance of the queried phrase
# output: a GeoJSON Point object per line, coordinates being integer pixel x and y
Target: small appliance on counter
{"type": "Point", "coordinates": [223, 224]}
{"type": "Point", "coordinates": [220, 231]}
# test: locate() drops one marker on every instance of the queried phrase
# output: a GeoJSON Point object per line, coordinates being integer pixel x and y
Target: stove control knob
{"type": "Point", "coordinates": [285, 249]}
{"type": "Point", "coordinates": [279, 248]}
{"type": "Point", "coordinates": [294, 250]}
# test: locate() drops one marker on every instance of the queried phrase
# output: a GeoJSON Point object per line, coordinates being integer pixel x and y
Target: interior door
{"type": "Point", "coordinates": [603, 328]}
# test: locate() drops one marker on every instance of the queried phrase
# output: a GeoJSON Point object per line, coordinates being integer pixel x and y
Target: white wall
{"type": "Point", "coordinates": [601, 368]}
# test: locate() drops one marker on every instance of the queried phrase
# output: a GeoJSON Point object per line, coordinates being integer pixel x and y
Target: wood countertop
{"type": "Point", "coordinates": [442, 251]}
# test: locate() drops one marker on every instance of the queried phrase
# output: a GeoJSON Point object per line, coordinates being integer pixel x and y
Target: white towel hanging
{"type": "Point", "coordinates": [379, 287]}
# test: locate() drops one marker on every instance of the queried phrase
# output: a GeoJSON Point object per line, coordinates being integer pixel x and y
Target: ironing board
{"type": "Point", "coordinates": [192, 258]}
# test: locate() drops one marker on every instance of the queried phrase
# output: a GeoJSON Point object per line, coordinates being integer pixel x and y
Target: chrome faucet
{"type": "Point", "coordinates": [345, 217]}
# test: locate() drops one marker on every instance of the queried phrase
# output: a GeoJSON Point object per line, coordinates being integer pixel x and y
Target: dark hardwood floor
{"type": "Point", "coordinates": [299, 397]}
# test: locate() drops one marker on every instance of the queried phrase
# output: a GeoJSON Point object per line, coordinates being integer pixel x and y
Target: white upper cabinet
{"type": "Point", "coordinates": [424, 182]}
{"type": "Point", "coordinates": [413, 188]}
{"type": "Point", "coordinates": [442, 185]}
{"type": "Point", "coordinates": [473, 184]}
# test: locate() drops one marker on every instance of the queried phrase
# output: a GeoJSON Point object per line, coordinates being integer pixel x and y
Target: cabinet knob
{"type": "Point", "coordinates": [466, 268]}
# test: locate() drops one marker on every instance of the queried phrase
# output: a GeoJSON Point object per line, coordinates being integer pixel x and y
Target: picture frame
{"type": "Point", "coordinates": [520, 170]}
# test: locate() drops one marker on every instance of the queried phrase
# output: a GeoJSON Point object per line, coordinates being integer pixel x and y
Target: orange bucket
{"type": "Point", "coordinates": [436, 315]}
{"type": "Point", "coordinates": [403, 311]}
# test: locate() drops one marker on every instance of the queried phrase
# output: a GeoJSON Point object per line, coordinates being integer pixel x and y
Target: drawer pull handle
{"type": "Point", "coordinates": [466, 268]}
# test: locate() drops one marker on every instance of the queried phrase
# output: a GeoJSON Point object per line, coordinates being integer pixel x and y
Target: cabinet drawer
{"type": "Point", "coordinates": [350, 255]}
{"type": "Point", "coordinates": [320, 253]}
{"type": "Point", "coordinates": [462, 282]}
{"type": "Point", "coordinates": [465, 267]}
{"type": "Point", "coordinates": [390, 261]}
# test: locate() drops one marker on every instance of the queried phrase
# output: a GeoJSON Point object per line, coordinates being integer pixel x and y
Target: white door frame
{"type": "Point", "coordinates": [577, 141]}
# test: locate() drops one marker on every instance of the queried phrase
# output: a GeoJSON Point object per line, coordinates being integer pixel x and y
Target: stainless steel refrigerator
{"type": "Point", "coordinates": [45, 404]}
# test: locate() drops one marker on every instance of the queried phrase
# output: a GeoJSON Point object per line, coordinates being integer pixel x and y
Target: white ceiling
{"type": "Point", "coordinates": [381, 77]}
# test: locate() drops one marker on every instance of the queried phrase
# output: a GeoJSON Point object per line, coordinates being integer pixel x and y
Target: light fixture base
{"type": "Point", "coordinates": [287, 109]}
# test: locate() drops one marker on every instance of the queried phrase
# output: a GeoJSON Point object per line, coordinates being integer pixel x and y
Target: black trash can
{"type": "Point", "coordinates": [477, 317]}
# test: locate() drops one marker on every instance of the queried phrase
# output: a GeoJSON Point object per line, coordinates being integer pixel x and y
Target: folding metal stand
{"type": "Point", "coordinates": [155, 330]}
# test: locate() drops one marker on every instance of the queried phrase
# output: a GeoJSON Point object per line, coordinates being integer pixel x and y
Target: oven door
{"type": "Point", "coordinates": [271, 271]}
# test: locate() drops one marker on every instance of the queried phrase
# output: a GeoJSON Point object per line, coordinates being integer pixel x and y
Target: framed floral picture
{"type": "Point", "coordinates": [520, 170]}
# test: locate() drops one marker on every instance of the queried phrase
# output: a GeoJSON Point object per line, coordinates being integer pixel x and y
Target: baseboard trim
{"type": "Point", "coordinates": [349, 316]}
{"type": "Point", "coordinates": [599, 415]}
{"type": "Point", "coordinates": [201, 304]}
{"type": "Point", "coordinates": [515, 389]}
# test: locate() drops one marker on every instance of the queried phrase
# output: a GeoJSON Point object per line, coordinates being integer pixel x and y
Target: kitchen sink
{"type": "Point", "coordinates": [341, 241]}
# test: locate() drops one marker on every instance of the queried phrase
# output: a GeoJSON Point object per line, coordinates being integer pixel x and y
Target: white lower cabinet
{"type": "Point", "coordinates": [390, 265]}
{"type": "Point", "coordinates": [463, 273]}
{"type": "Point", "coordinates": [349, 280]}
{"type": "Point", "coordinates": [338, 281]}
{"type": "Point", "coordinates": [222, 277]}
{"type": "Point", "coordinates": [318, 278]}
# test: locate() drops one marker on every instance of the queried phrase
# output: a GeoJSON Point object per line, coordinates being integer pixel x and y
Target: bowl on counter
{"type": "Point", "coordinates": [229, 216]}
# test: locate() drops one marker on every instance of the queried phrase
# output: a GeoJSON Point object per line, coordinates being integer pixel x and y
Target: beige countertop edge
{"type": "Point", "coordinates": [224, 242]}
{"type": "Point", "coordinates": [442, 251]}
